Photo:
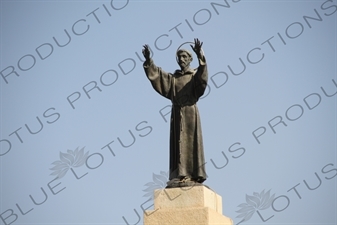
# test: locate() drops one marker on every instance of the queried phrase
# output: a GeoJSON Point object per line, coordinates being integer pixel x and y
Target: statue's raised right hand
{"type": "Point", "coordinates": [146, 52]}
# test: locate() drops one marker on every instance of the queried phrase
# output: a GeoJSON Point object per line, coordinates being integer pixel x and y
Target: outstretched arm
{"type": "Point", "coordinates": [201, 76]}
{"type": "Point", "coordinates": [160, 80]}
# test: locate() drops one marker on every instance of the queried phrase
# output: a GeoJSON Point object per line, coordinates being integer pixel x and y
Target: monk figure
{"type": "Point", "coordinates": [184, 87]}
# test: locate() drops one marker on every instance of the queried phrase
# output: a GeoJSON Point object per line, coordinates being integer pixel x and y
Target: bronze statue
{"type": "Point", "coordinates": [184, 87]}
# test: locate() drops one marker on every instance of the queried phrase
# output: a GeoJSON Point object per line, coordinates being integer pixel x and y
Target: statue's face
{"type": "Point", "coordinates": [184, 59]}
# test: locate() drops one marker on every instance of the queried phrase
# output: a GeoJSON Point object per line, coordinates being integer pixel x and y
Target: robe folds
{"type": "Point", "coordinates": [183, 89]}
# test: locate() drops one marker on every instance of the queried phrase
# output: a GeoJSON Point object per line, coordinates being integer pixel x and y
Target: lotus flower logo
{"type": "Point", "coordinates": [159, 182]}
{"type": "Point", "coordinates": [257, 201]}
{"type": "Point", "coordinates": [69, 160]}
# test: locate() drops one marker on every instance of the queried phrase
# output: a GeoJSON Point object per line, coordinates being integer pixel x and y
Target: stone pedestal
{"type": "Point", "coordinates": [196, 205]}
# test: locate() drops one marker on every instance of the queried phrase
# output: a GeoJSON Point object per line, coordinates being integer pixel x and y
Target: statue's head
{"type": "Point", "coordinates": [184, 58]}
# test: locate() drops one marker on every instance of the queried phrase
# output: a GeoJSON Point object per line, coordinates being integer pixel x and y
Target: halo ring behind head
{"type": "Point", "coordinates": [187, 42]}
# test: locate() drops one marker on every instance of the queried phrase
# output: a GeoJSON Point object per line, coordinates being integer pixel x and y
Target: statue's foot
{"type": "Point", "coordinates": [185, 179]}
{"type": "Point", "coordinates": [182, 182]}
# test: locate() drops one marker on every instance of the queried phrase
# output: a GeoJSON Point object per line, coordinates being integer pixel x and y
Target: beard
{"type": "Point", "coordinates": [183, 65]}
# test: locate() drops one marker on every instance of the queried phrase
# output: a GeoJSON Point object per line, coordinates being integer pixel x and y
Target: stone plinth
{"type": "Point", "coordinates": [196, 205]}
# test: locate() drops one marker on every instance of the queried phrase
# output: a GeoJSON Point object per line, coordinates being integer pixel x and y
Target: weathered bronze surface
{"type": "Point", "coordinates": [184, 88]}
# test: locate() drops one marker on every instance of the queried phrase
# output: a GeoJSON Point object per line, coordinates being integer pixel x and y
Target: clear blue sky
{"type": "Point", "coordinates": [71, 79]}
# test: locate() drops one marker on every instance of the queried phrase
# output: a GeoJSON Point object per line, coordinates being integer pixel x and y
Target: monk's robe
{"type": "Point", "coordinates": [183, 89]}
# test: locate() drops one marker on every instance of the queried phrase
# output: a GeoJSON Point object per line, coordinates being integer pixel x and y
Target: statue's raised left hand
{"type": "Point", "coordinates": [197, 47]}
